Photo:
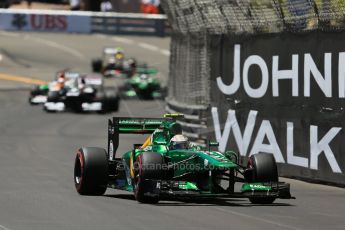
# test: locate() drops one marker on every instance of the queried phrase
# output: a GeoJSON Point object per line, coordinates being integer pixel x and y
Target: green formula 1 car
{"type": "Point", "coordinates": [38, 94]}
{"type": "Point", "coordinates": [144, 85]}
{"type": "Point", "coordinates": [166, 165]}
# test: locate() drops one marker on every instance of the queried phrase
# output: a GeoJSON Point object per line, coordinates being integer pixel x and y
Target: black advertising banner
{"type": "Point", "coordinates": [283, 94]}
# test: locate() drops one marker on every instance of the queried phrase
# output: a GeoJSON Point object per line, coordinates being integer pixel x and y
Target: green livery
{"type": "Point", "coordinates": [160, 168]}
{"type": "Point", "coordinates": [144, 85]}
{"type": "Point", "coordinates": [38, 94]}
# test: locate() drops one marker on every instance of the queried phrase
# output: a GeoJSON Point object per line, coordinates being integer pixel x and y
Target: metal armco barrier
{"type": "Point", "coordinates": [138, 24]}
{"type": "Point", "coordinates": [83, 22]}
{"type": "Point", "coordinates": [272, 75]}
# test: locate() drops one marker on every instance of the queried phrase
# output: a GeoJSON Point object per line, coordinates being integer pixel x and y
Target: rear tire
{"type": "Point", "coordinates": [264, 170]}
{"type": "Point", "coordinates": [91, 171]}
{"type": "Point", "coordinates": [111, 101]}
{"type": "Point", "coordinates": [149, 168]}
{"type": "Point", "coordinates": [114, 104]}
{"type": "Point", "coordinates": [53, 96]}
{"type": "Point", "coordinates": [97, 65]}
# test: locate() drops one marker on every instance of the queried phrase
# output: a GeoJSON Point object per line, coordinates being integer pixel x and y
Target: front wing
{"type": "Point", "coordinates": [85, 106]}
{"type": "Point", "coordinates": [183, 189]}
{"type": "Point", "coordinates": [38, 99]}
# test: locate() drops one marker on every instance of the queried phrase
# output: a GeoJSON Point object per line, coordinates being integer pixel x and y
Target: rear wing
{"type": "Point", "coordinates": [126, 125]}
{"type": "Point", "coordinates": [93, 79]}
{"type": "Point", "coordinates": [145, 70]}
{"type": "Point", "coordinates": [136, 125]}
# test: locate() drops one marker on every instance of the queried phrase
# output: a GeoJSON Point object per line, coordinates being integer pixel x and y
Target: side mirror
{"type": "Point", "coordinates": [212, 144]}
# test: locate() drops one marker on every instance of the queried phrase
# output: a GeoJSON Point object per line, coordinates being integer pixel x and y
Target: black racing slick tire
{"type": "Point", "coordinates": [97, 65]}
{"type": "Point", "coordinates": [114, 103]}
{"type": "Point", "coordinates": [111, 101]}
{"type": "Point", "coordinates": [53, 96]}
{"type": "Point", "coordinates": [265, 170]}
{"type": "Point", "coordinates": [265, 167]}
{"type": "Point", "coordinates": [149, 168]}
{"type": "Point", "coordinates": [30, 100]}
{"type": "Point", "coordinates": [262, 200]}
{"type": "Point", "coordinates": [91, 171]}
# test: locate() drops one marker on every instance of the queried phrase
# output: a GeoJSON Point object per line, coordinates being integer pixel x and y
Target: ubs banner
{"type": "Point", "coordinates": [282, 94]}
{"type": "Point", "coordinates": [45, 22]}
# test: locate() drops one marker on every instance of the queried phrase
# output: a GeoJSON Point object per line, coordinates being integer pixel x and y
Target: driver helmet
{"type": "Point", "coordinates": [179, 142]}
{"type": "Point", "coordinates": [112, 60]}
{"type": "Point", "coordinates": [143, 76]}
{"type": "Point", "coordinates": [61, 77]}
{"type": "Point", "coordinates": [132, 62]}
{"type": "Point", "coordinates": [119, 54]}
{"type": "Point", "coordinates": [119, 57]}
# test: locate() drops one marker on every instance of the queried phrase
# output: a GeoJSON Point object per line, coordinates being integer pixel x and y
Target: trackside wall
{"type": "Point", "coordinates": [83, 22]}
{"type": "Point", "coordinates": [263, 76]}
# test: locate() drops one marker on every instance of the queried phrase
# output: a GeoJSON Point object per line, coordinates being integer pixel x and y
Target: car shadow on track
{"type": "Point", "coordinates": [216, 202]}
{"type": "Point", "coordinates": [201, 202]}
{"type": "Point", "coordinates": [121, 196]}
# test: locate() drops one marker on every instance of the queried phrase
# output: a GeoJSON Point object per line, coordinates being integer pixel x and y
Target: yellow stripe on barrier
{"type": "Point", "coordinates": [25, 80]}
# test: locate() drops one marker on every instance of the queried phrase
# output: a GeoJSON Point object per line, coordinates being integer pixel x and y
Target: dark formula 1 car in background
{"type": "Point", "coordinates": [114, 64]}
{"type": "Point", "coordinates": [38, 94]}
{"type": "Point", "coordinates": [144, 84]}
{"type": "Point", "coordinates": [8, 3]}
{"type": "Point", "coordinates": [84, 93]}
{"type": "Point", "coordinates": [166, 165]}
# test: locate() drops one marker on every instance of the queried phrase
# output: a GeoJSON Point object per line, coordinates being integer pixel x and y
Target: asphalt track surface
{"type": "Point", "coordinates": [37, 154]}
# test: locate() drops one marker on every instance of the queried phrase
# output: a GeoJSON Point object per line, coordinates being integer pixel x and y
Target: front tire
{"type": "Point", "coordinates": [262, 200]}
{"type": "Point", "coordinates": [149, 168]}
{"type": "Point", "coordinates": [97, 65]}
{"type": "Point", "coordinates": [111, 101]}
{"type": "Point", "coordinates": [91, 171]}
{"type": "Point", "coordinates": [264, 169]}
{"type": "Point", "coordinates": [30, 100]}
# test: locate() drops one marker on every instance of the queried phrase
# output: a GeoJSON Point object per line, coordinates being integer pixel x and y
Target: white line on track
{"type": "Point", "coordinates": [57, 46]}
{"type": "Point", "coordinates": [123, 40]}
{"type": "Point", "coordinates": [1, 58]}
{"type": "Point", "coordinates": [165, 52]}
{"type": "Point", "coordinates": [148, 46]}
{"type": "Point", "coordinates": [100, 36]}
{"type": "Point", "coordinates": [143, 45]}
{"type": "Point", "coordinates": [9, 34]}
{"type": "Point", "coordinates": [4, 228]}
{"type": "Point", "coordinates": [279, 225]}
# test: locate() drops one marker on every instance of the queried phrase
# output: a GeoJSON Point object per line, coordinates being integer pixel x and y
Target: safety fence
{"type": "Point", "coordinates": [138, 24]}
{"type": "Point", "coordinates": [263, 76]}
{"type": "Point", "coordinates": [83, 22]}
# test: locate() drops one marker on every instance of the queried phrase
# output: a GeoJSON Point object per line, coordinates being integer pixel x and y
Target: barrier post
{"type": "Point", "coordinates": [160, 27]}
